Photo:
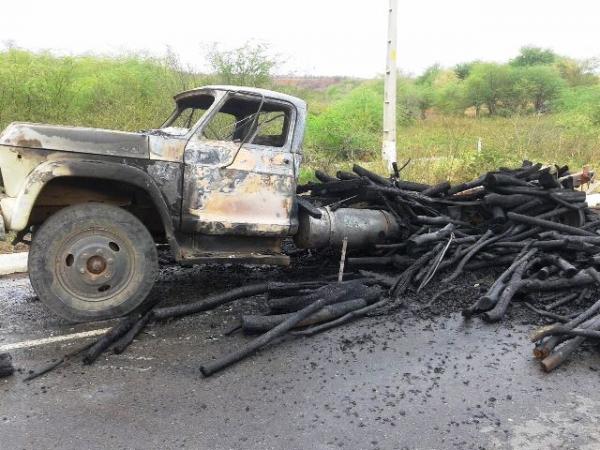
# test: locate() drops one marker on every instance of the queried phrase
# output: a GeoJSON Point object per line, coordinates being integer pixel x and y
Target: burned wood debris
{"type": "Point", "coordinates": [531, 224]}
{"type": "Point", "coordinates": [531, 220]}
{"type": "Point", "coordinates": [6, 366]}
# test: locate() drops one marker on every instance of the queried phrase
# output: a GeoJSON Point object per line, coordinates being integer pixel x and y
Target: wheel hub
{"type": "Point", "coordinates": [94, 265]}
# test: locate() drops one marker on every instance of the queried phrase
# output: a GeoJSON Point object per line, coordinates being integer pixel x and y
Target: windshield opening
{"type": "Point", "coordinates": [243, 118]}
{"type": "Point", "coordinates": [188, 112]}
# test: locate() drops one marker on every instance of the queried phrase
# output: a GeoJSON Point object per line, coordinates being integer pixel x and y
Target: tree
{"type": "Point", "coordinates": [488, 84]}
{"type": "Point", "coordinates": [248, 65]}
{"type": "Point", "coordinates": [463, 70]}
{"type": "Point", "coordinates": [534, 56]}
{"type": "Point", "coordinates": [450, 98]}
{"type": "Point", "coordinates": [578, 72]}
{"type": "Point", "coordinates": [428, 77]}
{"type": "Point", "coordinates": [539, 85]}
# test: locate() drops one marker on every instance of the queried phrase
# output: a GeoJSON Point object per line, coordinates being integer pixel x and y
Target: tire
{"type": "Point", "coordinates": [92, 261]}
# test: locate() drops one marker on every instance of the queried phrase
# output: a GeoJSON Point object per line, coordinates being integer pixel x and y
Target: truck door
{"type": "Point", "coordinates": [239, 175]}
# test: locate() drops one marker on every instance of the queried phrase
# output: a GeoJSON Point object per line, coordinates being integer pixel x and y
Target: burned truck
{"type": "Point", "coordinates": [216, 182]}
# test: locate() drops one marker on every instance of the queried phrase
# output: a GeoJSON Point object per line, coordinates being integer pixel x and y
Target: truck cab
{"type": "Point", "coordinates": [216, 181]}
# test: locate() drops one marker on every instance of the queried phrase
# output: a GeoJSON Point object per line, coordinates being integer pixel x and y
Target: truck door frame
{"type": "Point", "coordinates": [241, 179]}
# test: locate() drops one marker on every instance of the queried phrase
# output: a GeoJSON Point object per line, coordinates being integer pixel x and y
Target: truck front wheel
{"type": "Point", "coordinates": [92, 261]}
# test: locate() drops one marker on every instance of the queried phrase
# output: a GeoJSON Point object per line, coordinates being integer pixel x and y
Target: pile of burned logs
{"type": "Point", "coordinates": [531, 221]}
{"type": "Point", "coordinates": [531, 224]}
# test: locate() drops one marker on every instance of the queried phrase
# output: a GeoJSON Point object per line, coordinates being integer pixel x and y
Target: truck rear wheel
{"type": "Point", "coordinates": [92, 261]}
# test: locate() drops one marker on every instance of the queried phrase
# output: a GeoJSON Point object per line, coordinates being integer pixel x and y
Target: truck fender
{"type": "Point", "coordinates": [20, 210]}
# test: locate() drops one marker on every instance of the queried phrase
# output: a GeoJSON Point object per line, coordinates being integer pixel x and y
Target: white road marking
{"type": "Point", "coordinates": [52, 339]}
{"type": "Point", "coordinates": [13, 263]}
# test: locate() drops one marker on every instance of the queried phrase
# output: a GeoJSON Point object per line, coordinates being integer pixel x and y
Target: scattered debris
{"type": "Point", "coordinates": [531, 221]}
{"type": "Point", "coordinates": [6, 367]}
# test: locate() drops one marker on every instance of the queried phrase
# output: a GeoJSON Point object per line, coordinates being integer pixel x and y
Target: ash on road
{"type": "Point", "coordinates": [390, 382]}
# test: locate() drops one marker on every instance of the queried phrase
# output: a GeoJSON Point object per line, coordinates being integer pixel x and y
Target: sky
{"type": "Point", "coordinates": [313, 37]}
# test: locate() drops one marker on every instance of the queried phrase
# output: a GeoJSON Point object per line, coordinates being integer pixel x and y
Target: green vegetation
{"type": "Point", "coordinates": [539, 105]}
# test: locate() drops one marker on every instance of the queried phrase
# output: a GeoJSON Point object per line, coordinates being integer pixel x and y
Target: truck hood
{"type": "Point", "coordinates": [76, 139]}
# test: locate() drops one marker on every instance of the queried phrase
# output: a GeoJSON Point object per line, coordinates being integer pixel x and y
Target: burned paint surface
{"type": "Point", "coordinates": [167, 176]}
{"type": "Point", "coordinates": [76, 139]}
{"type": "Point", "coordinates": [26, 171]}
{"type": "Point", "coordinates": [164, 147]}
{"type": "Point", "coordinates": [238, 191]}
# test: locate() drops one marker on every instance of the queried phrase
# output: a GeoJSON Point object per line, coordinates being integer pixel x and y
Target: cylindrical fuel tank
{"type": "Point", "coordinates": [362, 227]}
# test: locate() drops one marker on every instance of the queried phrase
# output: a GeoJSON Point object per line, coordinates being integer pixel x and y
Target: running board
{"type": "Point", "coordinates": [235, 258]}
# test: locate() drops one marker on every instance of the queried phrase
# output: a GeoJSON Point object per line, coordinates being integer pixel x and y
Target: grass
{"type": "Point", "coordinates": [445, 148]}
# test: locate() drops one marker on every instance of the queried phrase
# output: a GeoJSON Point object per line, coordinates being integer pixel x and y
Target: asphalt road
{"type": "Point", "coordinates": [388, 382]}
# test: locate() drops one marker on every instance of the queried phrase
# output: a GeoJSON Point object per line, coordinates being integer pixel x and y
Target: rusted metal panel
{"type": "Point", "coordinates": [166, 148]}
{"type": "Point", "coordinates": [252, 195]}
{"type": "Point", "coordinates": [76, 139]}
{"type": "Point", "coordinates": [26, 171]}
{"type": "Point", "coordinates": [167, 176]}
{"type": "Point", "coordinates": [232, 201]}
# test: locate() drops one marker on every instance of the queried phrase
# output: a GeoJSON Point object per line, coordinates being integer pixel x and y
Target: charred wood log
{"type": "Point", "coordinates": [547, 224]}
{"type": "Point", "coordinates": [323, 296]}
{"type": "Point", "coordinates": [425, 238]}
{"type": "Point", "coordinates": [545, 313]}
{"type": "Point", "coordinates": [531, 205]}
{"type": "Point", "coordinates": [109, 338]}
{"type": "Point", "coordinates": [549, 181]}
{"type": "Point", "coordinates": [465, 186]}
{"type": "Point", "coordinates": [131, 334]}
{"type": "Point", "coordinates": [289, 304]}
{"type": "Point", "coordinates": [528, 171]}
{"type": "Point", "coordinates": [346, 175]}
{"type": "Point", "coordinates": [295, 303]}
{"type": "Point", "coordinates": [582, 318]}
{"type": "Point", "coordinates": [324, 177]}
{"type": "Point", "coordinates": [437, 189]}
{"type": "Point", "coordinates": [229, 296]}
{"type": "Point", "coordinates": [485, 239]}
{"type": "Point", "coordinates": [339, 187]}
{"type": "Point", "coordinates": [582, 279]}
{"type": "Point", "coordinates": [6, 366]}
{"type": "Point", "coordinates": [211, 302]}
{"type": "Point", "coordinates": [511, 288]}
{"type": "Point", "coordinates": [507, 201]}
{"type": "Point", "coordinates": [307, 206]}
{"type": "Point", "coordinates": [563, 301]}
{"type": "Point", "coordinates": [361, 171]}
{"type": "Point", "coordinates": [412, 186]}
{"type": "Point", "coordinates": [492, 296]}
{"type": "Point", "coordinates": [381, 279]}
{"type": "Point", "coordinates": [370, 261]}
{"type": "Point", "coordinates": [257, 323]}
{"type": "Point", "coordinates": [498, 179]}
{"type": "Point", "coordinates": [439, 220]}
{"type": "Point", "coordinates": [343, 320]}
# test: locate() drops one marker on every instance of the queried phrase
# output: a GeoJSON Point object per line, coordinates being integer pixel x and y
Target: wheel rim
{"type": "Point", "coordinates": [95, 265]}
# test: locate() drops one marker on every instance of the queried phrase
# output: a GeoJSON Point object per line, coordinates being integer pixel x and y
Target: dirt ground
{"type": "Point", "coordinates": [398, 380]}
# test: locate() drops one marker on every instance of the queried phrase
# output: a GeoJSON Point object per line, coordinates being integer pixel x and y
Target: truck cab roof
{"type": "Point", "coordinates": [299, 104]}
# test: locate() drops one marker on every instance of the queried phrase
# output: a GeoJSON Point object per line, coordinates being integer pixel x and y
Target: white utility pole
{"type": "Point", "coordinates": [389, 94]}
